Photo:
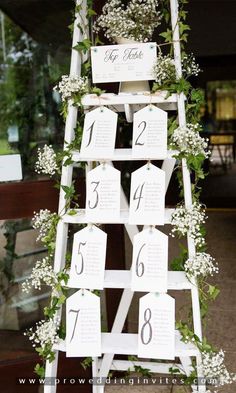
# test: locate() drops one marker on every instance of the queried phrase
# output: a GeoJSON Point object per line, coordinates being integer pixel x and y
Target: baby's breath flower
{"type": "Point", "coordinates": [42, 221]}
{"type": "Point", "coordinates": [69, 86]}
{"type": "Point", "coordinates": [45, 334]}
{"type": "Point", "coordinates": [164, 70]}
{"type": "Point", "coordinates": [42, 273]}
{"type": "Point", "coordinates": [189, 66]}
{"type": "Point", "coordinates": [213, 368]}
{"type": "Point", "coordinates": [189, 221]}
{"type": "Point", "coordinates": [188, 141]}
{"type": "Point", "coordinates": [136, 21]}
{"type": "Point", "coordinates": [202, 264]}
{"type": "Point", "coordinates": [46, 163]}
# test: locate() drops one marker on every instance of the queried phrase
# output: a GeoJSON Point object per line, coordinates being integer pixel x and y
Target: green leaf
{"type": "Point", "coordinates": [213, 291]}
{"type": "Point", "coordinates": [72, 212]}
{"type": "Point", "coordinates": [39, 370]}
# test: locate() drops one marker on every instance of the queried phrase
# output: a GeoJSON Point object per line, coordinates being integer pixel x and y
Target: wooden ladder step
{"type": "Point", "coordinates": [120, 155]}
{"type": "Point", "coordinates": [127, 344]}
{"type": "Point", "coordinates": [122, 278]}
{"type": "Point", "coordinates": [79, 217]}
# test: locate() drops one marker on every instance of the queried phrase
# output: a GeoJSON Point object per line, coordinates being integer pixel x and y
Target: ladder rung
{"type": "Point", "coordinates": [121, 155]}
{"type": "Point", "coordinates": [127, 344]}
{"type": "Point", "coordinates": [117, 101]}
{"type": "Point", "coordinates": [80, 217]}
{"type": "Point", "coordinates": [121, 279]}
{"type": "Point", "coordinates": [155, 367]}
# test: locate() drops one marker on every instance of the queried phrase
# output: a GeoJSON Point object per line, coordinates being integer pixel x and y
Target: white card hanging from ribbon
{"type": "Point", "coordinates": [156, 333]}
{"type": "Point", "coordinates": [88, 259]}
{"type": "Point", "coordinates": [147, 196]}
{"type": "Point", "coordinates": [83, 325]}
{"type": "Point", "coordinates": [150, 133]}
{"type": "Point", "coordinates": [103, 194]}
{"type": "Point", "coordinates": [150, 261]}
{"type": "Point", "coordinates": [99, 133]}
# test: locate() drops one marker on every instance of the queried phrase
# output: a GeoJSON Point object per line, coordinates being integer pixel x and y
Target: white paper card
{"type": "Point", "coordinates": [150, 261]}
{"type": "Point", "coordinates": [88, 259]}
{"type": "Point", "coordinates": [150, 133]}
{"type": "Point", "coordinates": [118, 63]}
{"type": "Point", "coordinates": [103, 194]}
{"type": "Point", "coordinates": [83, 325]}
{"type": "Point", "coordinates": [99, 133]}
{"type": "Point", "coordinates": [10, 167]}
{"type": "Point", "coordinates": [147, 196]}
{"type": "Point", "coordinates": [156, 333]}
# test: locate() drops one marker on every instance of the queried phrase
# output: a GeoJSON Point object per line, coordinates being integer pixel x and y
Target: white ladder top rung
{"type": "Point", "coordinates": [127, 344]}
{"type": "Point", "coordinates": [81, 218]}
{"type": "Point", "coordinates": [121, 155]}
{"type": "Point", "coordinates": [118, 101]}
{"type": "Point", "coordinates": [177, 280]}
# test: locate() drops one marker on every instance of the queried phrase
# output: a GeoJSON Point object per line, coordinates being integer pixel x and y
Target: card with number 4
{"type": "Point", "coordinates": [147, 196]}
{"type": "Point", "coordinates": [99, 133]}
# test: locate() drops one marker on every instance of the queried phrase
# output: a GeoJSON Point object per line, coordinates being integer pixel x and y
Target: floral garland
{"type": "Point", "coordinates": [187, 143]}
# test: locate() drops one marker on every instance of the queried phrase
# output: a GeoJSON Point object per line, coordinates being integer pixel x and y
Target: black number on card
{"type": "Point", "coordinates": [143, 126]}
{"type": "Point", "coordinates": [90, 130]}
{"type": "Point", "coordinates": [97, 195]}
{"type": "Point", "coordinates": [82, 259]}
{"type": "Point", "coordinates": [75, 324]}
{"type": "Point", "coordinates": [147, 325]}
{"type": "Point", "coordinates": [138, 195]}
{"type": "Point", "coordinates": [140, 265]}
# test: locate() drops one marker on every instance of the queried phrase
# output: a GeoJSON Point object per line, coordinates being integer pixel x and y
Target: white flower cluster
{"type": "Point", "coordinates": [188, 221]}
{"type": "Point", "coordinates": [46, 163]}
{"type": "Point", "coordinates": [42, 273]}
{"type": "Point", "coordinates": [189, 66]}
{"type": "Point", "coordinates": [202, 264]}
{"type": "Point", "coordinates": [46, 333]}
{"type": "Point", "coordinates": [42, 221]}
{"type": "Point", "coordinates": [187, 140]}
{"type": "Point", "coordinates": [70, 85]}
{"type": "Point", "coordinates": [214, 368]}
{"type": "Point", "coordinates": [136, 21]}
{"type": "Point", "coordinates": [164, 70]}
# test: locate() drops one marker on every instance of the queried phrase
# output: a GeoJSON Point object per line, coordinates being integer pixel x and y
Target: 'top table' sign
{"type": "Point", "coordinates": [120, 63]}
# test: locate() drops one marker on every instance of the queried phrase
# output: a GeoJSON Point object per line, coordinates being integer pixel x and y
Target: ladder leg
{"type": "Point", "coordinates": [50, 375]}
{"type": "Point", "coordinates": [95, 373]}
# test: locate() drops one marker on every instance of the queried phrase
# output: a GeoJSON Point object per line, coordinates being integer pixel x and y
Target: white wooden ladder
{"type": "Point", "coordinates": [115, 342]}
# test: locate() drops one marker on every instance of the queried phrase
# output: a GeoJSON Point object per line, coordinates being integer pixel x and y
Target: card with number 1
{"type": "Point", "coordinates": [99, 133]}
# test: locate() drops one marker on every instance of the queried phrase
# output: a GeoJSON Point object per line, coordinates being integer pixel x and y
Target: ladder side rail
{"type": "Point", "coordinates": [186, 174]}
{"type": "Point", "coordinates": [187, 182]}
{"type": "Point", "coordinates": [66, 179]}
